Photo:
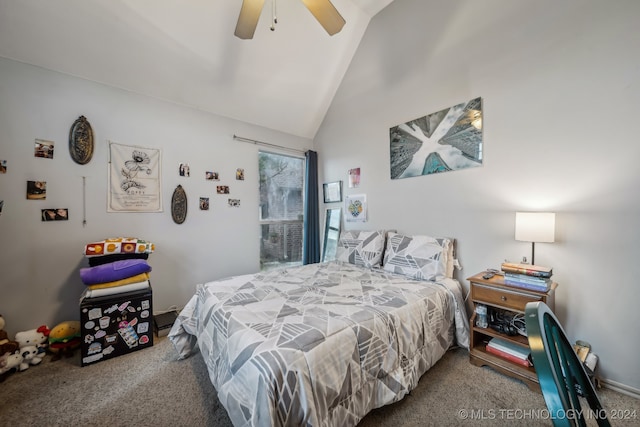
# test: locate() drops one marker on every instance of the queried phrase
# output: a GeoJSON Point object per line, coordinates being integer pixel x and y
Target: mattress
{"type": "Point", "coordinates": [321, 344]}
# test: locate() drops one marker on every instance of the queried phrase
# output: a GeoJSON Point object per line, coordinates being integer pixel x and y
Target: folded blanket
{"type": "Point", "coordinates": [118, 245]}
{"type": "Point", "coordinates": [133, 279]}
{"type": "Point", "coordinates": [106, 259]}
{"type": "Point", "coordinates": [116, 270]}
{"type": "Point", "coordinates": [93, 293]}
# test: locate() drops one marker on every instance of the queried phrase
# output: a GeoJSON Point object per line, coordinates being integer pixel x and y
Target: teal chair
{"type": "Point", "coordinates": [560, 372]}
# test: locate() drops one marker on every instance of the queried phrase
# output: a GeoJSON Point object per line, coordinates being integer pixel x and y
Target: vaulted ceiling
{"type": "Point", "coordinates": [185, 52]}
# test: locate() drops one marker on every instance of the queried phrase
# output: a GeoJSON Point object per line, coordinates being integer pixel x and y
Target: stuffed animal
{"type": "Point", "coordinates": [6, 345]}
{"type": "Point", "coordinates": [37, 337]}
{"type": "Point", "coordinates": [9, 362]}
{"type": "Point", "coordinates": [30, 356]}
{"type": "Point", "coordinates": [64, 338]}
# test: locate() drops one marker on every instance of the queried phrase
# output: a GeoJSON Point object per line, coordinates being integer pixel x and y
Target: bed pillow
{"type": "Point", "coordinates": [362, 248]}
{"type": "Point", "coordinates": [119, 245]}
{"type": "Point", "coordinates": [418, 257]}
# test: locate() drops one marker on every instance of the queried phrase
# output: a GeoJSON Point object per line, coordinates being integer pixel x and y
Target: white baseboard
{"type": "Point", "coordinates": [620, 388]}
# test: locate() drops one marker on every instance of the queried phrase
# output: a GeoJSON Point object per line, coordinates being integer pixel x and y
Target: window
{"type": "Point", "coordinates": [281, 209]}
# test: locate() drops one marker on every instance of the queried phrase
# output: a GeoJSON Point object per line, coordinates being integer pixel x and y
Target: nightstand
{"type": "Point", "coordinates": [496, 295]}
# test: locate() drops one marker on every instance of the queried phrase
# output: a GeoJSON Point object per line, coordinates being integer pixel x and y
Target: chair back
{"type": "Point", "coordinates": [560, 372]}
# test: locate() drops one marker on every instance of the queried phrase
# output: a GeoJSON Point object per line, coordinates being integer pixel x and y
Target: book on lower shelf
{"type": "Point", "coordinates": [509, 350]}
{"type": "Point", "coordinates": [509, 357]}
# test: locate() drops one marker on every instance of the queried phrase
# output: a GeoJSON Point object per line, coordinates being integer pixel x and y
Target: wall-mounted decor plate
{"type": "Point", "coordinates": [179, 205]}
{"type": "Point", "coordinates": [81, 141]}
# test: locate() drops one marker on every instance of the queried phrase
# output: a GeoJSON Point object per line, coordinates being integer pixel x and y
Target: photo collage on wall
{"type": "Point", "coordinates": [37, 190]}
{"type": "Point", "coordinates": [184, 170]}
{"type": "Point", "coordinates": [133, 182]}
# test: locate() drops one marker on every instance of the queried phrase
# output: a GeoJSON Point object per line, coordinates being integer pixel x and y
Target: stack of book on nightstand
{"type": "Point", "coordinates": [509, 351]}
{"type": "Point", "coordinates": [527, 276]}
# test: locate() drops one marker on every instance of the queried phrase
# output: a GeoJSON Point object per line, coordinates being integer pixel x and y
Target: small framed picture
{"type": "Point", "coordinates": [44, 149]}
{"type": "Point", "coordinates": [204, 203]}
{"type": "Point", "coordinates": [36, 190]}
{"type": "Point", "coordinates": [55, 214]}
{"type": "Point", "coordinates": [332, 192]}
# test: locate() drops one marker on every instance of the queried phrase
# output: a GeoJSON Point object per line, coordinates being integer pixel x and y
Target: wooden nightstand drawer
{"type": "Point", "coordinates": [495, 294]}
{"type": "Point", "coordinates": [511, 300]}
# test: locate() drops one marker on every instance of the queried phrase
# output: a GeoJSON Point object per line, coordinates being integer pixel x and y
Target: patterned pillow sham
{"type": "Point", "coordinates": [362, 248]}
{"type": "Point", "coordinates": [418, 257]}
{"type": "Point", "coordinates": [118, 245]}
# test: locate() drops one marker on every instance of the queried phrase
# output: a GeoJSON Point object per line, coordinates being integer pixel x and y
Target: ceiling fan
{"type": "Point", "coordinates": [323, 10]}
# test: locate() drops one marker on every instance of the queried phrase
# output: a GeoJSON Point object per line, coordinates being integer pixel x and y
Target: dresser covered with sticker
{"type": "Point", "coordinates": [113, 325]}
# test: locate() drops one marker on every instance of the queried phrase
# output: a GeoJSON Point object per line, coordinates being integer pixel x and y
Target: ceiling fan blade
{"type": "Point", "coordinates": [248, 19]}
{"type": "Point", "coordinates": [326, 14]}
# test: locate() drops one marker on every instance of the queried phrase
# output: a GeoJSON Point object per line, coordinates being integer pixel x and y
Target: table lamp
{"type": "Point", "coordinates": [535, 227]}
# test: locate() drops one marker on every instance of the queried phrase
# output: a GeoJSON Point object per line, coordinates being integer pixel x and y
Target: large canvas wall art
{"type": "Point", "coordinates": [450, 139]}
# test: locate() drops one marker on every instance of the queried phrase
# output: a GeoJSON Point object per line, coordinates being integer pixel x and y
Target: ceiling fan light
{"type": "Point", "coordinates": [248, 20]}
{"type": "Point", "coordinates": [326, 14]}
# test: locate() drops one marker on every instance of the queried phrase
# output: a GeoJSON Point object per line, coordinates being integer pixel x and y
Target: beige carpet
{"type": "Point", "coordinates": [151, 387]}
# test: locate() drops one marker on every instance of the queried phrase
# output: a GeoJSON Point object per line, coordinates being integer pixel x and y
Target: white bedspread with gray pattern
{"type": "Point", "coordinates": [318, 345]}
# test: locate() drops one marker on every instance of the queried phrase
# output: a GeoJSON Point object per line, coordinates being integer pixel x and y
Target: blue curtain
{"type": "Point", "coordinates": [311, 233]}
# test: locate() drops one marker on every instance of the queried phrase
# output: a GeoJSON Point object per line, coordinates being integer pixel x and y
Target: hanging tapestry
{"type": "Point", "coordinates": [134, 179]}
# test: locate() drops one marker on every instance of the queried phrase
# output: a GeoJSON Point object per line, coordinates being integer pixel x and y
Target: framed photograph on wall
{"type": "Point", "coordinates": [332, 192]}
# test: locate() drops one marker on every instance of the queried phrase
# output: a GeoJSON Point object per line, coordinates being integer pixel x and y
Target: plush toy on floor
{"type": "Point", "coordinates": [33, 345]}
{"type": "Point", "coordinates": [9, 362]}
{"type": "Point", "coordinates": [64, 338]}
{"type": "Point", "coordinates": [6, 345]}
{"type": "Point", "coordinates": [30, 356]}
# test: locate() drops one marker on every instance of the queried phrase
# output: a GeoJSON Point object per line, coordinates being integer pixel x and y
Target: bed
{"type": "Point", "coordinates": [323, 344]}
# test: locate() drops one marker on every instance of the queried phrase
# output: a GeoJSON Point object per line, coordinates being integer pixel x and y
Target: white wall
{"type": "Point", "coordinates": [40, 261]}
{"type": "Point", "coordinates": [559, 82]}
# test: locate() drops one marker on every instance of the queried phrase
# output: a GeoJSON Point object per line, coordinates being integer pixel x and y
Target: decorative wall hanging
{"type": "Point", "coordinates": [356, 208]}
{"type": "Point", "coordinates": [81, 141]}
{"type": "Point", "coordinates": [44, 149]}
{"type": "Point", "coordinates": [450, 139]}
{"type": "Point", "coordinates": [3, 166]}
{"type": "Point", "coordinates": [179, 205]}
{"type": "Point", "coordinates": [240, 174]}
{"type": "Point", "coordinates": [332, 192]}
{"type": "Point", "coordinates": [134, 179]}
{"type": "Point", "coordinates": [234, 203]}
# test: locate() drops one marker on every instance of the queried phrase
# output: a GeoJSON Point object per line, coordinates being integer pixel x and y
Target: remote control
{"type": "Point", "coordinates": [488, 275]}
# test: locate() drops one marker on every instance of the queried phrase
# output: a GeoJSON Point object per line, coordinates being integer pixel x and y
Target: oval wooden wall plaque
{"type": "Point", "coordinates": [179, 205]}
{"type": "Point", "coordinates": [81, 141]}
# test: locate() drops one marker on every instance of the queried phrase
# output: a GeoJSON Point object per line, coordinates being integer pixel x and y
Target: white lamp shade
{"type": "Point", "coordinates": [535, 226]}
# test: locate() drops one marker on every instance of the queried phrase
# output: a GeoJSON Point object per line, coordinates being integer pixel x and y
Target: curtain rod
{"type": "Point", "coordinates": [267, 144]}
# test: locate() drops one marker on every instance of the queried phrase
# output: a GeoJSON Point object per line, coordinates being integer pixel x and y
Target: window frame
{"type": "Point", "coordinates": [262, 222]}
